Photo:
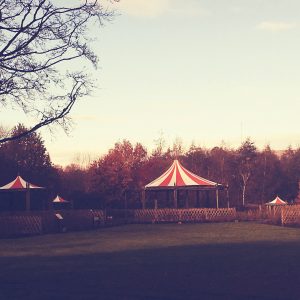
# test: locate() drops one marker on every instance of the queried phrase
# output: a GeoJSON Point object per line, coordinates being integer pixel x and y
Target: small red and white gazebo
{"type": "Point", "coordinates": [276, 201]}
{"type": "Point", "coordinates": [61, 203]}
{"type": "Point", "coordinates": [59, 199]}
{"type": "Point", "coordinates": [19, 184]}
{"type": "Point", "coordinates": [177, 177]}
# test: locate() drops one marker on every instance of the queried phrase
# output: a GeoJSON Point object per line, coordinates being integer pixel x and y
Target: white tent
{"type": "Point", "coordinates": [276, 201]}
{"type": "Point", "coordinates": [59, 199]}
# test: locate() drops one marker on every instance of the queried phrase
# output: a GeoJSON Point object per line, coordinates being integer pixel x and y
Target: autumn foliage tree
{"type": "Point", "coordinates": [197, 160]}
{"type": "Point", "coordinates": [27, 157]}
{"type": "Point", "coordinates": [118, 172]}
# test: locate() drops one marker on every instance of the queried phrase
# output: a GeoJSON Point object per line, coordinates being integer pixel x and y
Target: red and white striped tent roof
{"type": "Point", "coordinates": [59, 199]}
{"type": "Point", "coordinates": [277, 201]}
{"type": "Point", "coordinates": [19, 184]}
{"type": "Point", "coordinates": [178, 176]}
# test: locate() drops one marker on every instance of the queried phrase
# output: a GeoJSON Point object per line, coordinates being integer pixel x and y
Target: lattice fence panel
{"type": "Point", "coordinates": [193, 215]}
{"type": "Point", "coordinates": [290, 215]}
{"type": "Point", "coordinates": [184, 215]}
{"type": "Point", "coordinates": [221, 214]}
{"type": "Point", "coordinates": [20, 225]}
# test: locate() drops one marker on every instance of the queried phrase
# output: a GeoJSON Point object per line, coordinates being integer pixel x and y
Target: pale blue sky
{"type": "Point", "coordinates": [202, 70]}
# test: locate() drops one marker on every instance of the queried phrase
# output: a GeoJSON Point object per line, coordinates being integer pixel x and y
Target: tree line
{"type": "Point", "coordinates": [252, 175]}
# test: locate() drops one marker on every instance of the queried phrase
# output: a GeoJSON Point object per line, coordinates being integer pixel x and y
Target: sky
{"type": "Point", "coordinates": [207, 72]}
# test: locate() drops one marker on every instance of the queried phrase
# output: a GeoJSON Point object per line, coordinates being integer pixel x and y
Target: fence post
{"type": "Point", "coordinates": [27, 197]}
{"type": "Point", "coordinates": [175, 197]}
{"type": "Point", "coordinates": [143, 198]}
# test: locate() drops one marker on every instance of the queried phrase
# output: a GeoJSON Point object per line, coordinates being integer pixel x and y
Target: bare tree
{"type": "Point", "coordinates": [37, 40]}
{"type": "Point", "coordinates": [247, 155]}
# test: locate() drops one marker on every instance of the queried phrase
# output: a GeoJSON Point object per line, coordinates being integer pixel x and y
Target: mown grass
{"type": "Point", "coordinates": [169, 261]}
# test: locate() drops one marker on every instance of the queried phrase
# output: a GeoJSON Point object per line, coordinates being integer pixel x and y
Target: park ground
{"type": "Point", "coordinates": [155, 261]}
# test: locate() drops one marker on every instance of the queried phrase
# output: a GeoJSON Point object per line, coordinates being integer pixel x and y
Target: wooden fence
{"type": "Point", "coordinates": [11, 226]}
{"type": "Point", "coordinates": [174, 215]}
{"type": "Point", "coordinates": [290, 215]}
{"type": "Point", "coordinates": [31, 223]}
{"type": "Point", "coordinates": [40, 222]}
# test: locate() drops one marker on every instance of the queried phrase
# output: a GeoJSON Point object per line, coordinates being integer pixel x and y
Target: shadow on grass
{"type": "Point", "coordinates": [264, 270]}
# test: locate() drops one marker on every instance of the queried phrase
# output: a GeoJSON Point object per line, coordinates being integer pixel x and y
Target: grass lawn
{"type": "Point", "coordinates": [169, 261]}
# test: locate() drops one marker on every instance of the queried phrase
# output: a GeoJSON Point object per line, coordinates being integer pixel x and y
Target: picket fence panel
{"type": "Point", "coordinates": [20, 225]}
{"type": "Point", "coordinates": [290, 215]}
{"type": "Point", "coordinates": [184, 215]}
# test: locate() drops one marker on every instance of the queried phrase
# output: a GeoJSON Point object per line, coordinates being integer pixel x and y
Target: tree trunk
{"type": "Point", "coordinates": [243, 194]}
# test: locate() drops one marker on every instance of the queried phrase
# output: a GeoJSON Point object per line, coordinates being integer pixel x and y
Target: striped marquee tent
{"type": "Point", "coordinates": [177, 178]}
{"type": "Point", "coordinates": [19, 184]}
{"type": "Point", "coordinates": [61, 203]}
{"type": "Point", "coordinates": [276, 201]}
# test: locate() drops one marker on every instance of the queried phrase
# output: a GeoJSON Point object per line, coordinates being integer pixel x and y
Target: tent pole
{"type": "Point", "coordinates": [125, 202]}
{"type": "Point", "coordinates": [207, 199]}
{"type": "Point", "coordinates": [175, 198]}
{"type": "Point", "coordinates": [155, 197]}
{"type": "Point", "coordinates": [155, 203]}
{"type": "Point", "coordinates": [27, 197]}
{"type": "Point", "coordinates": [168, 198]}
{"type": "Point", "coordinates": [198, 199]}
{"type": "Point", "coordinates": [143, 198]}
{"type": "Point", "coordinates": [126, 207]}
{"type": "Point", "coordinates": [227, 195]}
{"type": "Point", "coordinates": [186, 199]}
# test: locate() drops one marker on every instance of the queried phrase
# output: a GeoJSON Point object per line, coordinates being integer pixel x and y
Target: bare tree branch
{"type": "Point", "coordinates": [36, 37]}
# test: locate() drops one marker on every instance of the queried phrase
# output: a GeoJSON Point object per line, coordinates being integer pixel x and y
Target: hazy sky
{"type": "Point", "coordinates": [205, 71]}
